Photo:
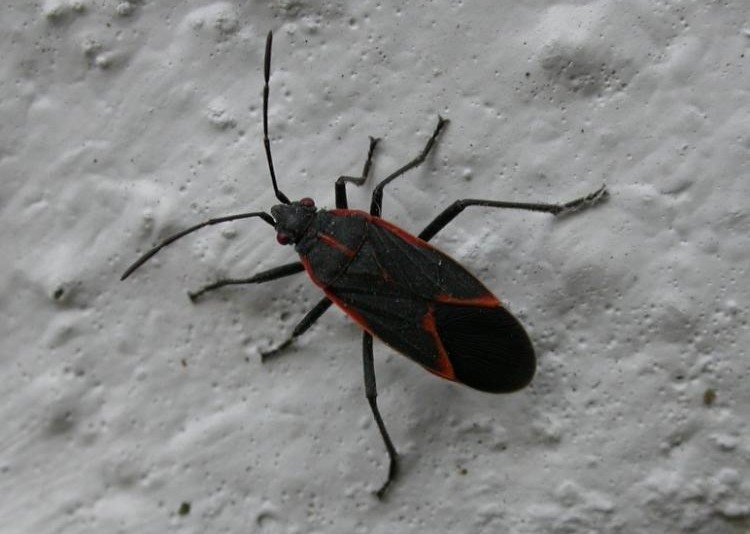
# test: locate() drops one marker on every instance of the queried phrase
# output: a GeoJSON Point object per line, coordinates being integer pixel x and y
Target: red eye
{"type": "Point", "coordinates": [283, 239]}
{"type": "Point", "coordinates": [307, 202]}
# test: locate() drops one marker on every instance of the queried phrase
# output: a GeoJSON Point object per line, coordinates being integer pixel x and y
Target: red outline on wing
{"type": "Point", "coordinates": [377, 221]}
{"type": "Point", "coordinates": [306, 264]}
{"type": "Point", "coordinates": [443, 367]}
{"type": "Point", "coordinates": [336, 245]}
{"type": "Point", "coordinates": [485, 301]}
{"type": "Point", "coordinates": [355, 315]}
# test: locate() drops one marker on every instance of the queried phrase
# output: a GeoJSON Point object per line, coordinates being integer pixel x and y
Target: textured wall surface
{"type": "Point", "coordinates": [126, 408]}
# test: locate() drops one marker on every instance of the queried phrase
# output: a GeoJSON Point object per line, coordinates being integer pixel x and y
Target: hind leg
{"type": "Point", "coordinates": [371, 393]}
{"type": "Point", "coordinates": [452, 211]}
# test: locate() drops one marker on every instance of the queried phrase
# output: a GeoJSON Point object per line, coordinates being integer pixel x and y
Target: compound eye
{"type": "Point", "coordinates": [307, 202]}
{"type": "Point", "coordinates": [283, 239]}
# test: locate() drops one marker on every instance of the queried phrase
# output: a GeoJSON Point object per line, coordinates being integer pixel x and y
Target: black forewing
{"type": "Point", "coordinates": [419, 269]}
{"type": "Point", "coordinates": [394, 282]}
{"type": "Point", "coordinates": [385, 308]}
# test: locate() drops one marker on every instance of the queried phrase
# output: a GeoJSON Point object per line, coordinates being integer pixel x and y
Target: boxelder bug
{"type": "Point", "coordinates": [396, 286]}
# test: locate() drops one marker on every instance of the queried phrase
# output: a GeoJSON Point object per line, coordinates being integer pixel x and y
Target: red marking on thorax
{"type": "Point", "coordinates": [350, 213]}
{"type": "Point", "coordinates": [333, 243]}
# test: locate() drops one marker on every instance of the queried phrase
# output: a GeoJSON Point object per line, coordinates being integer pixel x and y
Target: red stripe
{"type": "Point", "coordinates": [403, 234]}
{"type": "Point", "coordinates": [333, 243]}
{"type": "Point", "coordinates": [306, 264]}
{"type": "Point", "coordinates": [443, 366]}
{"type": "Point", "coordinates": [488, 300]}
{"type": "Point", "coordinates": [485, 301]}
{"type": "Point", "coordinates": [351, 213]}
{"type": "Point", "coordinates": [354, 314]}
{"type": "Point", "coordinates": [377, 221]}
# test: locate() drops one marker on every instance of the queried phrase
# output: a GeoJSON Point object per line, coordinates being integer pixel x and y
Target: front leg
{"type": "Point", "coordinates": [341, 202]}
{"type": "Point", "coordinates": [264, 276]}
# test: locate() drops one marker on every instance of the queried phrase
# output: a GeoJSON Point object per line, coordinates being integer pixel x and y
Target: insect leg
{"type": "Point", "coordinates": [377, 195]}
{"type": "Point", "coordinates": [458, 206]}
{"type": "Point", "coordinates": [371, 393]}
{"type": "Point", "coordinates": [341, 202]}
{"type": "Point", "coordinates": [302, 327]}
{"type": "Point", "coordinates": [264, 276]}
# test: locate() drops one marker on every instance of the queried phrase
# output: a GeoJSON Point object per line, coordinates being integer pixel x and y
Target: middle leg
{"type": "Point", "coordinates": [265, 276]}
{"type": "Point", "coordinates": [452, 211]}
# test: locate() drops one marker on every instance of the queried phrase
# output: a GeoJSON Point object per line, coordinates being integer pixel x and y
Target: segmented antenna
{"type": "Point", "coordinates": [267, 73]}
{"type": "Point", "coordinates": [171, 239]}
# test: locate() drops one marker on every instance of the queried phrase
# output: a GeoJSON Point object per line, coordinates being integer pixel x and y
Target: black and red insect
{"type": "Point", "coordinates": [396, 286]}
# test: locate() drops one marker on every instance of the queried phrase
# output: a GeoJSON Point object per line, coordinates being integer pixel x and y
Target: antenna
{"type": "Point", "coordinates": [267, 73]}
{"type": "Point", "coordinates": [171, 239]}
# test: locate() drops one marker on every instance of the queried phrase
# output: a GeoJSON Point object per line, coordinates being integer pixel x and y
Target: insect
{"type": "Point", "coordinates": [395, 285]}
